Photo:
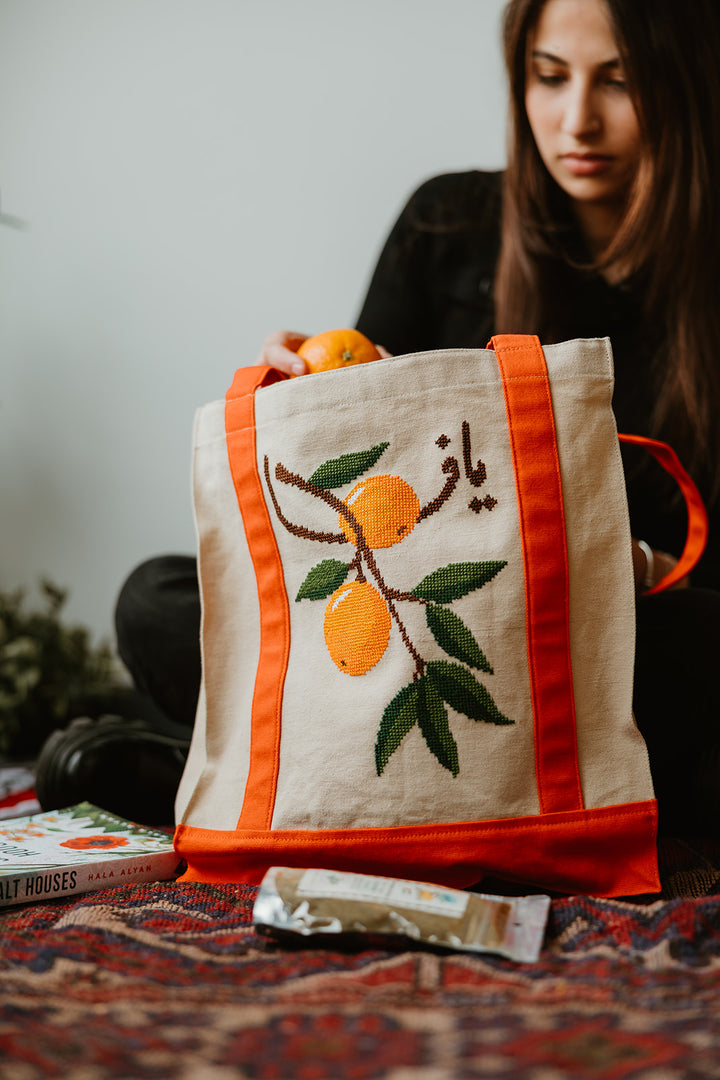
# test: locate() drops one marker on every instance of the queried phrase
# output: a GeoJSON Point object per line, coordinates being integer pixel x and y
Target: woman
{"type": "Point", "coordinates": [603, 224]}
{"type": "Point", "coordinates": [609, 227]}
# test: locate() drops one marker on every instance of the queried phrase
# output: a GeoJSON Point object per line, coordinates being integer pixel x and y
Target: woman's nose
{"type": "Point", "coordinates": [580, 116]}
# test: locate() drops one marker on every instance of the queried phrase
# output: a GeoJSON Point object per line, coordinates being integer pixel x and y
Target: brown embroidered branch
{"type": "Point", "coordinates": [399, 594]}
{"type": "Point", "coordinates": [419, 662]}
{"type": "Point", "coordinates": [298, 530]}
{"type": "Point", "coordinates": [295, 480]}
{"type": "Point", "coordinates": [362, 549]}
{"type": "Point", "coordinates": [356, 565]}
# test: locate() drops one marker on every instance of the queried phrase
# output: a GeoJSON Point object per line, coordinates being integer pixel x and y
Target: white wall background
{"type": "Point", "coordinates": [193, 174]}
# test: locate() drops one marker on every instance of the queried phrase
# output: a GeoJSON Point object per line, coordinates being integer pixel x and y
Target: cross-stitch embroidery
{"type": "Point", "coordinates": [378, 512]}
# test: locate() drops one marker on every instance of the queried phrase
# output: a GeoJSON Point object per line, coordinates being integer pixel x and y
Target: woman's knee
{"type": "Point", "coordinates": [158, 601]}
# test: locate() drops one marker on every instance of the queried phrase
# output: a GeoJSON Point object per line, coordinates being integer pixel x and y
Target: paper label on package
{"type": "Point", "coordinates": [416, 895]}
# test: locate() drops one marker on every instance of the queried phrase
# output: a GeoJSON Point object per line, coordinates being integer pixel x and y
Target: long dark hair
{"type": "Point", "coordinates": [669, 236]}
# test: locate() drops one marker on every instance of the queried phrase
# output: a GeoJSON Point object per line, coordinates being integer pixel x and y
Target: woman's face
{"type": "Point", "coordinates": [583, 121]}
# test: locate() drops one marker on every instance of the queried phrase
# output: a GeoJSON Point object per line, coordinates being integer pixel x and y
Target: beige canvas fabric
{"type": "Point", "coordinates": [416, 405]}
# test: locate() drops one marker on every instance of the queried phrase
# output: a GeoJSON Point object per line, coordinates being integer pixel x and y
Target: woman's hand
{"type": "Point", "coordinates": [279, 350]}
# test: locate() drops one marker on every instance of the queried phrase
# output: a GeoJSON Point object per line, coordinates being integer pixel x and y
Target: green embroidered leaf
{"type": "Point", "coordinates": [457, 579]}
{"type": "Point", "coordinates": [399, 717]}
{"type": "Point", "coordinates": [342, 470]}
{"type": "Point", "coordinates": [433, 722]}
{"type": "Point", "coordinates": [323, 580]}
{"type": "Point", "coordinates": [453, 636]}
{"type": "Point", "coordinates": [462, 692]}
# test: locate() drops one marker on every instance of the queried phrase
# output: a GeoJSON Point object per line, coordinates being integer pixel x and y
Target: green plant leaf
{"type": "Point", "coordinates": [462, 692]}
{"type": "Point", "coordinates": [433, 722]}
{"type": "Point", "coordinates": [323, 580]}
{"type": "Point", "coordinates": [455, 638]}
{"type": "Point", "coordinates": [342, 470]}
{"type": "Point", "coordinates": [399, 717]}
{"type": "Point", "coordinates": [47, 670]}
{"type": "Point", "coordinates": [457, 579]}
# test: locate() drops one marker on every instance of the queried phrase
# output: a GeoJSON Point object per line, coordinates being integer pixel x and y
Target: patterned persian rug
{"type": "Point", "coordinates": [170, 980]}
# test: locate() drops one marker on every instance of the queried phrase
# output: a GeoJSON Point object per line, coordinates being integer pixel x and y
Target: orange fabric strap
{"type": "Point", "coordinates": [697, 529]}
{"type": "Point", "coordinates": [531, 424]}
{"type": "Point", "coordinates": [259, 802]}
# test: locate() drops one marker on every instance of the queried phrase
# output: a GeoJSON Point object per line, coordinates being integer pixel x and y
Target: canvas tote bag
{"type": "Point", "coordinates": [418, 625]}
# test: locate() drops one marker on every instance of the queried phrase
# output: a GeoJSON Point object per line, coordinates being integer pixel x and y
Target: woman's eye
{"type": "Point", "coordinates": [550, 78]}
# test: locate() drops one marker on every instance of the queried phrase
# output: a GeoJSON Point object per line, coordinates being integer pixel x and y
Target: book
{"type": "Point", "coordinates": [76, 850]}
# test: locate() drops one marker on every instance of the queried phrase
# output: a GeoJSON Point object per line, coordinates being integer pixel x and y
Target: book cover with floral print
{"type": "Point", "coordinates": [77, 849]}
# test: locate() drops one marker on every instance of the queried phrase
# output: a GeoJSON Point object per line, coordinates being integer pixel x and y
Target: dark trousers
{"type": "Point", "coordinates": [157, 623]}
{"type": "Point", "coordinates": [676, 698]}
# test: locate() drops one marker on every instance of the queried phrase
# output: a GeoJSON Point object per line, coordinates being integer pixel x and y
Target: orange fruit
{"type": "Point", "coordinates": [386, 508]}
{"type": "Point", "coordinates": [357, 627]}
{"type": "Point", "coordinates": [337, 348]}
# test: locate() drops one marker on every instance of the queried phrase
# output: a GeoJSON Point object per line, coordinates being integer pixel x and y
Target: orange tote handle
{"type": "Point", "coordinates": [538, 485]}
{"type": "Point", "coordinates": [260, 790]}
{"type": "Point", "coordinates": [697, 532]}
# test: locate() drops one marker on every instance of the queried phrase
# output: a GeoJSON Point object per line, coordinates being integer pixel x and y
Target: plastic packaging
{"type": "Point", "coordinates": [313, 901]}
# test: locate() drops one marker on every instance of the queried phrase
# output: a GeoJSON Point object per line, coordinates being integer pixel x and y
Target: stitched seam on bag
{"type": "Point", "coordinates": [642, 810]}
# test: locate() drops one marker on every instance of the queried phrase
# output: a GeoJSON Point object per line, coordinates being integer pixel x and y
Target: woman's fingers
{"type": "Point", "coordinates": [279, 350]}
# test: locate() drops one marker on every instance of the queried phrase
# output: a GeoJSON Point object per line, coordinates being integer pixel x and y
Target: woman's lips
{"type": "Point", "coordinates": [586, 164]}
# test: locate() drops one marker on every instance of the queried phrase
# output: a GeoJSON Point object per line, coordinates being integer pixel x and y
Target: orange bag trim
{"type": "Point", "coordinates": [608, 851]}
{"type": "Point", "coordinates": [697, 530]}
{"type": "Point", "coordinates": [538, 485]}
{"type": "Point", "coordinates": [261, 787]}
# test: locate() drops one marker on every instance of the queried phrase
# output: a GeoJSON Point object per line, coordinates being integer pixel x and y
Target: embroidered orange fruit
{"type": "Point", "coordinates": [386, 508]}
{"type": "Point", "coordinates": [337, 348]}
{"type": "Point", "coordinates": [357, 627]}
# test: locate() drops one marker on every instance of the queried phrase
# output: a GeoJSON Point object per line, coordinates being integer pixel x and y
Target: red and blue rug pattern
{"type": "Point", "coordinates": [170, 980]}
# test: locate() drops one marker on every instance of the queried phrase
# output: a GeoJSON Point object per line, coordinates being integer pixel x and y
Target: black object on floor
{"type": "Point", "coordinates": [120, 765]}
